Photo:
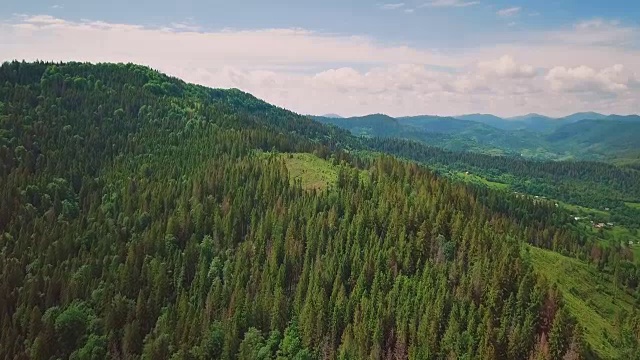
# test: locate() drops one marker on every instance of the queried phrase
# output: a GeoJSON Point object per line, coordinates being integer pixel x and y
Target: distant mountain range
{"type": "Point", "coordinates": [586, 135]}
{"type": "Point", "coordinates": [540, 123]}
{"type": "Point", "coordinates": [332, 116]}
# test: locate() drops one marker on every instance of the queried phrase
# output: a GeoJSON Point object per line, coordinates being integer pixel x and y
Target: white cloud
{"type": "Point", "coordinates": [409, 11]}
{"type": "Point", "coordinates": [57, 39]}
{"type": "Point", "coordinates": [595, 24]}
{"type": "Point", "coordinates": [508, 12]}
{"type": "Point", "coordinates": [391, 6]}
{"type": "Point", "coordinates": [184, 27]}
{"type": "Point", "coordinates": [613, 79]}
{"type": "Point", "coordinates": [554, 72]}
{"type": "Point", "coordinates": [43, 20]}
{"type": "Point", "coordinates": [56, 6]}
{"type": "Point", "coordinates": [507, 67]}
{"type": "Point", "coordinates": [450, 3]}
{"type": "Point", "coordinates": [599, 32]}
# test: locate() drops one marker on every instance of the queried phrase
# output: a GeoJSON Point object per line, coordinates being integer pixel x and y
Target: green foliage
{"type": "Point", "coordinates": [587, 136]}
{"type": "Point", "coordinates": [312, 172]}
{"type": "Point", "coordinates": [213, 342]}
{"type": "Point", "coordinates": [589, 184]}
{"type": "Point", "coordinates": [94, 349]}
{"type": "Point", "coordinates": [251, 345]}
{"type": "Point", "coordinates": [592, 297]}
{"type": "Point", "coordinates": [71, 326]}
{"type": "Point", "coordinates": [145, 220]}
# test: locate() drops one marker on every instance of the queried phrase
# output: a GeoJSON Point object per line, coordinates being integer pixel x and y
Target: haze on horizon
{"type": "Point", "coordinates": [440, 57]}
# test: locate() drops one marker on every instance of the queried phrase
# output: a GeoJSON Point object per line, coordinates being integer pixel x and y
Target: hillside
{"type": "Point", "coordinates": [594, 309]}
{"type": "Point", "coordinates": [142, 217]}
{"type": "Point", "coordinates": [532, 136]}
{"type": "Point", "coordinates": [590, 115]}
{"type": "Point", "coordinates": [598, 136]}
{"type": "Point", "coordinates": [589, 184]}
{"type": "Point", "coordinates": [376, 125]}
{"type": "Point", "coordinates": [442, 125]}
{"type": "Point", "coordinates": [494, 121]}
{"type": "Point", "coordinates": [335, 116]}
{"type": "Point", "coordinates": [445, 132]}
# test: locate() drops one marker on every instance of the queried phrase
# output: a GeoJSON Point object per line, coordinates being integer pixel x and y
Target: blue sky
{"type": "Point", "coordinates": [442, 26]}
{"type": "Point", "coordinates": [400, 57]}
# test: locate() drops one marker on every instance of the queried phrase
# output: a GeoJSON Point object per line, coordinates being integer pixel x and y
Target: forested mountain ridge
{"type": "Point", "coordinates": [599, 136]}
{"type": "Point", "coordinates": [140, 218]}
{"type": "Point", "coordinates": [530, 136]}
{"type": "Point", "coordinates": [539, 122]}
{"type": "Point", "coordinates": [586, 183]}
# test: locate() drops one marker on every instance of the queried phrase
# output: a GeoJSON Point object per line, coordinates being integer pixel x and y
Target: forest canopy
{"type": "Point", "coordinates": [140, 218]}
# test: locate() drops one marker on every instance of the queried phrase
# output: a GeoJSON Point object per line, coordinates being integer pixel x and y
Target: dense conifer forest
{"type": "Point", "coordinates": [145, 218]}
{"type": "Point", "coordinates": [590, 184]}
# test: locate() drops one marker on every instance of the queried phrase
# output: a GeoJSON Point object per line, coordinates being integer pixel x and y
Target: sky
{"type": "Point", "coordinates": [404, 57]}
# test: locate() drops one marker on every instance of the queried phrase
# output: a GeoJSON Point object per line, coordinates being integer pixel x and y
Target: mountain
{"type": "Point", "coordinates": [333, 116]}
{"type": "Point", "coordinates": [492, 120]}
{"type": "Point", "coordinates": [582, 116]}
{"type": "Point", "coordinates": [143, 217]}
{"type": "Point", "coordinates": [598, 136]}
{"type": "Point", "coordinates": [444, 125]}
{"type": "Point", "coordinates": [446, 132]}
{"type": "Point", "coordinates": [541, 124]}
{"type": "Point", "coordinates": [624, 117]}
{"type": "Point", "coordinates": [529, 117]}
{"type": "Point", "coordinates": [483, 118]}
{"type": "Point", "coordinates": [370, 125]}
{"type": "Point", "coordinates": [533, 135]}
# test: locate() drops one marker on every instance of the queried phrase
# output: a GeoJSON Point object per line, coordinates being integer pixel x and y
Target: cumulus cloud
{"type": "Point", "coordinates": [613, 79]}
{"type": "Point", "coordinates": [507, 67]}
{"type": "Point", "coordinates": [508, 12]}
{"type": "Point", "coordinates": [499, 77]}
{"type": "Point", "coordinates": [313, 72]}
{"type": "Point", "coordinates": [450, 3]}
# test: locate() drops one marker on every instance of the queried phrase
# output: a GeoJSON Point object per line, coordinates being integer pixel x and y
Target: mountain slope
{"type": "Point", "coordinates": [594, 309]}
{"type": "Point", "coordinates": [493, 120]}
{"type": "Point", "coordinates": [142, 218]}
{"type": "Point", "coordinates": [532, 136]}
{"type": "Point", "coordinates": [624, 117]}
{"type": "Point", "coordinates": [598, 136]}
{"type": "Point", "coordinates": [446, 132]}
{"type": "Point", "coordinates": [582, 116]}
{"type": "Point", "coordinates": [334, 116]}
{"type": "Point", "coordinates": [443, 125]}
{"type": "Point", "coordinates": [370, 125]}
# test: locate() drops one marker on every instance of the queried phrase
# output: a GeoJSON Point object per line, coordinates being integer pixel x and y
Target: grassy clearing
{"type": "Point", "coordinates": [313, 172]}
{"type": "Point", "coordinates": [473, 178]}
{"type": "Point", "coordinates": [625, 237]}
{"type": "Point", "coordinates": [584, 211]}
{"type": "Point", "coordinates": [633, 205]}
{"type": "Point", "coordinates": [590, 295]}
{"type": "Point", "coordinates": [636, 253]}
